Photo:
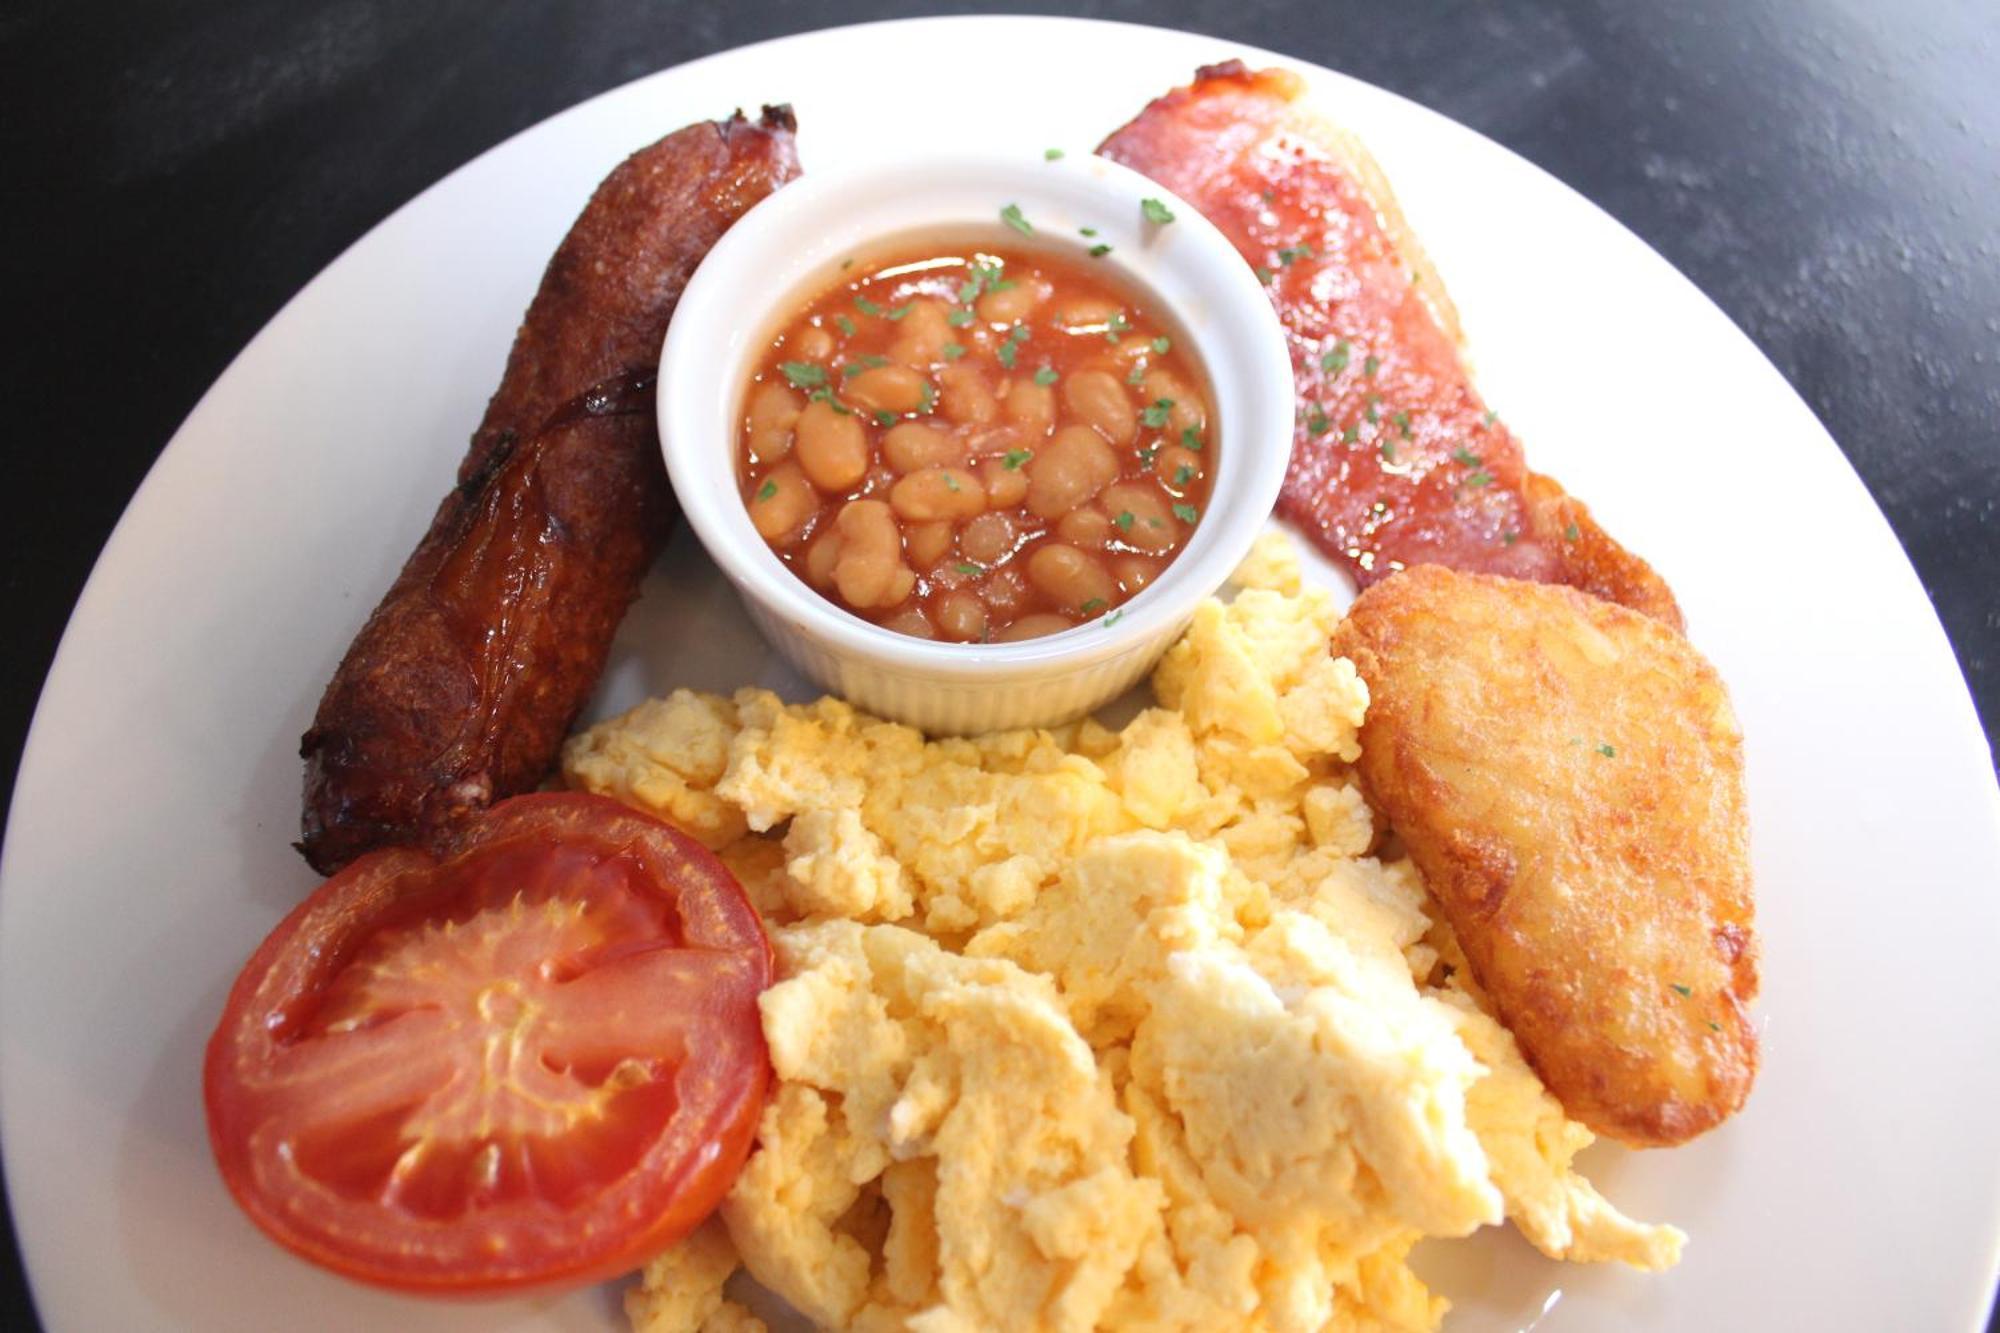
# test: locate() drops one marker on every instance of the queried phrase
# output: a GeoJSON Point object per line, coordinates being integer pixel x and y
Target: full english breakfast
{"type": "Point", "coordinates": [1355, 935]}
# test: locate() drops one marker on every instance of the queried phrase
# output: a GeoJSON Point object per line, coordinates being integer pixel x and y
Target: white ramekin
{"type": "Point", "coordinates": [789, 247]}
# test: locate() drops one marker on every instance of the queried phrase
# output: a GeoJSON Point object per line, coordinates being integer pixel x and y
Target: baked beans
{"type": "Point", "coordinates": [976, 442]}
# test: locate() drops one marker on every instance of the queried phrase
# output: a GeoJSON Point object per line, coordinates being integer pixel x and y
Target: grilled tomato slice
{"type": "Point", "coordinates": [530, 1057]}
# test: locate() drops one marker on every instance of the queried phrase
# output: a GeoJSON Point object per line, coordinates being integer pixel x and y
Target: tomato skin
{"type": "Point", "coordinates": [380, 1084]}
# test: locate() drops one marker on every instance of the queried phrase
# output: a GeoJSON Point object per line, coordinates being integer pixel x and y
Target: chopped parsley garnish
{"type": "Point", "coordinates": [1609, 752]}
{"type": "Point", "coordinates": [1124, 520]}
{"type": "Point", "coordinates": [1113, 618]}
{"type": "Point", "coordinates": [950, 482]}
{"type": "Point", "coordinates": [1480, 478]}
{"type": "Point", "coordinates": [1316, 422]}
{"type": "Point", "coordinates": [1491, 416]}
{"type": "Point", "coordinates": [853, 368]}
{"type": "Point", "coordinates": [1335, 361]}
{"type": "Point", "coordinates": [1052, 154]}
{"type": "Point", "coordinates": [866, 306]}
{"type": "Point", "coordinates": [928, 402]}
{"type": "Point", "coordinates": [1509, 537]}
{"type": "Point", "coordinates": [899, 311]}
{"type": "Point", "coordinates": [1191, 438]}
{"type": "Point", "coordinates": [1388, 448]}
{"type": "Point", "coordinates": [844, 324]}
{"type": "Point", "coordinates": [1045, 375]}
{"type": "Point", "coordinates": [1114, 326]}
{"type": "Point", "coordinates": [1714, 1026]}
{"type": "Point", "coordinates": [1372, 414]}
{"type": "Point", "coordinates": [1162, 343]}
{"type": "Point", "coordinates": [1146, 456]}
{"type": "Point", "coordinates": [953, 351]}
{"type": "Point", "coordinates": [1156, 211]}
{"type": "Point", "coordinates": [1095, 604]}
{"type": "Point", "coordinates": [1292, 253]}
{"type": "Point", "coordinates": [1156, 416]}
{"type": "Point", "coordinates": [1183, 475]}
{"type": "Point", "coordinates": [1086, 231]}
{"type": "Point", "coordinates": [959, 318]}
{"type": "Point", "coordinates": [1371, 365]}
{"type": "Point", "coordinates": [803, 374]}
{"type": "Point", "coordinates": [1350, 435]}
{"type": "Point", "coordinates": [1013, 458]}
{"type": "Point", "coordinates": [1011, 348]}
{"type": "Point", "coordinates": [1186, 513]}
{"type": "Point", "coordinates": [1402, 420]}
{"type": "Point", "coordinates": [1099, 250]}
{"type": "Point", "coordinates": [767, 490]}
{"type": "Point", "coordinates": [1571, 533]}
{"type": "Point", "coordinates": [1264, 274]}
{"type": "Point", "coordinates": [1465, 456]}
{"type": "Point", "coordinates": [885, 418]}
{"type": "Point", "coordinates": [826, 396]}
{"type": "Point", "coordinates": [1684, 990]}
{"type": "Point", "coordinates": [1138, 375]}
{"type": "Point", "coordinates": [1011, 215]}
{"type": "Point", "coordinates": [967, 567]}
{"type": "Point", "coordinates": [986, 276]}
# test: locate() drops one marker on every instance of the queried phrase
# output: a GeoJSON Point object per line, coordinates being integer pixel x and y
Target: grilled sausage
{"type": "Point", "coordinates": [460, 687]}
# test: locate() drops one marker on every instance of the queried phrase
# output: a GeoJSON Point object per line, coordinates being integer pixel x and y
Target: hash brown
{"type": "Point", "coordinates": [1568, 775]}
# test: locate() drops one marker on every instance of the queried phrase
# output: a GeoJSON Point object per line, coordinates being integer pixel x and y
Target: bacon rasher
{"type": "Point", "coordinates": [1396, 460]}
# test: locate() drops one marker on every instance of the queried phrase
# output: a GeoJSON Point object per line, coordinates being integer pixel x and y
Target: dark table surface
{"type": "Point", "coordinates": [1827, 170]}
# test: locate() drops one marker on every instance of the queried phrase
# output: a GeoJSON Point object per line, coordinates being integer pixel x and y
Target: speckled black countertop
{"type": "Point", "coordinates": [1827, 170]}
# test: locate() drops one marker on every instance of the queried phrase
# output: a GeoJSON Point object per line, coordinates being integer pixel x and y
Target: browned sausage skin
{"type": "Point", "coordinates": [460, 687]}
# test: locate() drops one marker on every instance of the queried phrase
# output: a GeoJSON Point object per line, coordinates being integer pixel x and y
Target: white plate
{"type": "Point", "coordinates": [147, 851]}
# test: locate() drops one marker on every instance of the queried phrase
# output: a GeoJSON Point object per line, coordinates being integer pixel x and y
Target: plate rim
{"type": "Point", "coordinates": [1967, 736]}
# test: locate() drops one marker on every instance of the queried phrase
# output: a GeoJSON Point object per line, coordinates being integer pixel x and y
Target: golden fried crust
{"type": "Point", "coordinates": [1568, 775]}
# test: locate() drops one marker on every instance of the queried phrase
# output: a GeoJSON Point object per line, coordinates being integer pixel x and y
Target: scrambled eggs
{"type": "Point", "coordinates": [1083, 1027]}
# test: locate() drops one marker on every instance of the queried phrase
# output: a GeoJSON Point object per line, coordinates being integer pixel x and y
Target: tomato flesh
{"type": "Point", "coordinates": [532, 1057]}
